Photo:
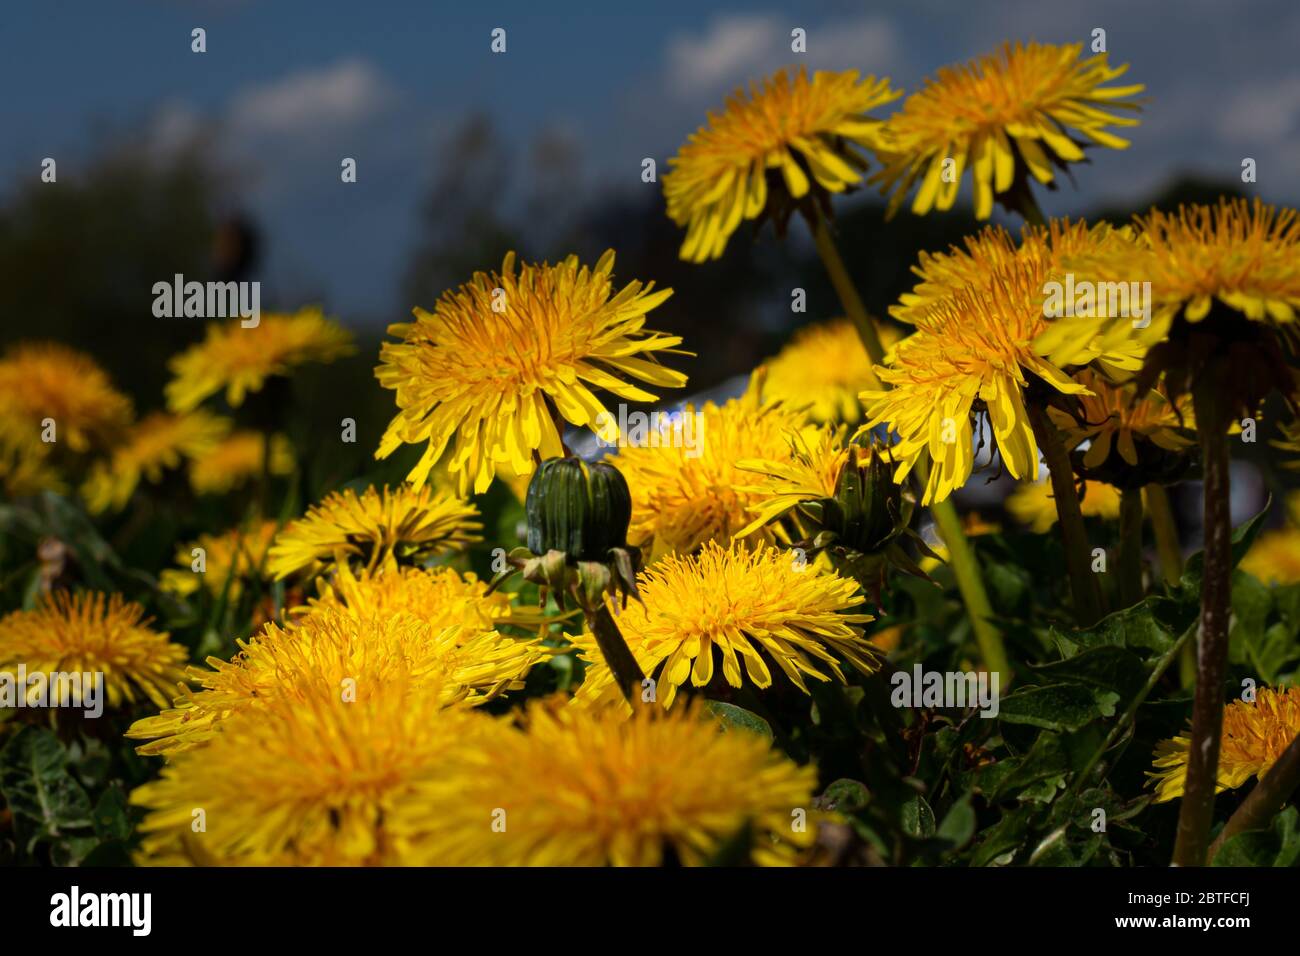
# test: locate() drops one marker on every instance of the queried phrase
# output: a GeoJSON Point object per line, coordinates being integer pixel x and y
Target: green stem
{"type": "Point", "coordinates": [1074, 535]}
{"type": "Point", "coordinates": [1130, 546]}
{"type": "Point", "coordinates": [1197, 811]}
{"type": "Point", "coordinates": [1130, 712]}
{"type": "Point", "coordinates": [961, 558]}
{"type": "Point", "coordinates": [1269, 796]}
{"type": "Point", "coordinates": [846, 290]}
{"type": "Point", "coordinates": [622, 662]}
{"type": "Point", "coordinates": [1170, 550]}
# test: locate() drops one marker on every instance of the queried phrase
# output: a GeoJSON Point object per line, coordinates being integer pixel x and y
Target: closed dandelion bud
{"type": "Point", "coordinates": [582, 510]}
{"type": "Point", "coordinates": [868, 510]}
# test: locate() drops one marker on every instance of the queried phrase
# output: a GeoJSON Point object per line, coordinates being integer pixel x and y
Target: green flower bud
{"type": "Point", "coordinates": [582, 510]}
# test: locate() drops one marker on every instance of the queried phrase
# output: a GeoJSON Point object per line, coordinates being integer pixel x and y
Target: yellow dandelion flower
{"type": "Point", "coordinates": [811, 131]}
{"type": "Point", "coordinates": [46, 380]}
{"type": "Point", "coordinates": [503, 358]}
{"type": "Point", "coordinates": [1274, 558]}
{"type": "Point", "coordinates": [26, 467]}
{"type": "Point", "coordinates": [758, 605]}
{"type": "Point", "coordinates": [823, 368]}
{"type": "Point", "coordinates": [1006, 116]}
{"type": "Point", "coordinates": [1118, 417]}
{"type": "Point", "coordinates": [810, 470]}
{"type": "Point", "coordinates": [581, 790]}
{"type": "Point", "coordinates": [1032, 503]}
{"type": "Point", "coordinates": [685, 496]}
{"type": "Point", "coordinates": [152, 445]}
{"type": "Point", "coordinates": [974, 354]}
{"type": "Point", "coordinates": [236, 459]}
{"type": "Point", "coordinates": [334, 651]}
{"type": "Point", "coordinates": [237, 556]}
{"type": "Point", "coordinates": [1241, 255]}
{"type": "Point", "coordinates": [310, 779]}
{"type": "Point", "coordinates": [94, 633]}
{"type": "Point", "coordinates": [1254, 736]}
{"type": "Point", "coordinates": [376, 527]}
{"type": "Point", "coordinates": [238, 361]}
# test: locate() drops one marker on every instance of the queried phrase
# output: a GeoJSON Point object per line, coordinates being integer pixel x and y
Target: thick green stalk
{"type": "Point", "coordinates": [1130, 546]}
{"type": "Point", "coordinates": [846, 290]}
{"type": "Point", "coordinates": [1074, 535]}
{"type": "Point", "coordinates": [1197, 811]}
{"type": "Point", "coordinates": [1170, 551]}
{"type": "Point", "coordinates": [961, 558]}
{"type": "Point", "coordinates": [1269, 796]}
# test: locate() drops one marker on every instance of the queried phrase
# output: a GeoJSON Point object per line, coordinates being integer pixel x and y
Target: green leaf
{"type": "Point", "coordinates": [958, 824]}
{"type": "Point", "coordinates": [733, 717]}
{"type": "Point", "coordinates": [918, 818]}
{"type": "Point", "coordinates": [1137, 628]}
{"type": "Point", "coordinates": [1058, 707]}
{"type": "Point", "coordinates": [1279, 845]}
{"type": "Point", "coordinates": [1108, 668]}
{"type": "Point", "coordinates": [845, 796]}
{"type": "Point", "coordinates": [1243, 536]}
{"type": "Point", "coordinates": [40, 792]}
{"type": "Point", "coordinates": [110, 818]}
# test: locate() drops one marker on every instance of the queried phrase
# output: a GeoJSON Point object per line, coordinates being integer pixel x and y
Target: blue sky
{"type": "Point", "coordinates": [288, 88]}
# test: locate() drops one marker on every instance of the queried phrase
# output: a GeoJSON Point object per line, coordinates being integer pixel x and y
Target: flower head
{"type": "Point", "coordinates": [767, 150]}
{"type": "Point", "coordinates": [310, 778]}
{"type": "Point", "coordinates": [726, 605]}
{"type": "Point", "coordinates": [239, 360]}
{"type": "Point", "coordinates": [824, 367]}
{"type": "Point", "coordinates": [1274, 558]}
{"type": "Point", "coordinates": [1006, 116]}
{"type": "Point", "coordinates": [237, 458]}
{"type": "Point", "coordinates": [236, 556]}
{"type": "Point", "coordinates": [156, 443]}
{"type": "Point", "coordinates": [1254, 736]}
{"type": "Point", "coordinates": [503, 358]}
{"type": "Point", "coordinates": [581, 790]}
{"type": "Point", "coordinates": [91, 632]}
{"type": "Point", "coordinates": [1032, 503]}
{"type": "Point", "coordinates": [335, 650]}
{"type": "Point", "coordinates": [684, 496]}
{"type": "Point", "coordinates": [46, 380]}
{"type": "Point", "coordinates": [26, 467]}
{"type": "Point", "coordinates": [375, 527]}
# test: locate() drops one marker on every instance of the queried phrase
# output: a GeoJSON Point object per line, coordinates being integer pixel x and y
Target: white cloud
{"type": "Point", "coordinates": [735, 49]}
{"type": "Point", "coordinates": [335, 96]}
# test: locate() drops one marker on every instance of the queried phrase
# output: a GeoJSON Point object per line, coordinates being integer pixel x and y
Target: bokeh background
{"type": "Point", "coordinates": [226, 164]}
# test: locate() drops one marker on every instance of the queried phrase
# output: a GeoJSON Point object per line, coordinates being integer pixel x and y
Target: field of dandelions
{"type": "Point", "coordinates": [701, 654]}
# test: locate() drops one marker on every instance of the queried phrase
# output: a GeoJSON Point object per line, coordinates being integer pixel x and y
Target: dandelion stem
{"type": "Point", "coordinates": [846, 290]}
{"type": "Point", "coordinates": [1130, 546]}
{"type": "Point", "coordinates": [961, 558]}
{"type": "Point", "coordinates": [1197, 811]}
{"type": "Point", "coordinates": [1074, 536]}
{"type": "Point", "coordinates": [619, 657]}
{"type": "Point", "coordinates": [1269, 796]}
{"type": "Point", "coordinates": [1170, 551]}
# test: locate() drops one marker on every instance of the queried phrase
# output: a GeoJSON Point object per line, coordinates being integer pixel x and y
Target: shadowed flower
{"type": "Point", "coordinates": [723, 606]}
{"type": "Point", "coordinates": [46, 380]}
{"type": "Point", "coordinates": [155, 444]}
{"type": "Point", "coordinates": [236, 459]}
{"type": "Point", "coordinates": [25, 461]}
{"type": "Point", "coordinates": [1254, 736]}
{"type": "Point", "coordinates": [684, 496]}
{"type": "Point", "coordinates": [239, 360]}
{"type": "Point", "coordinates": [94, 633]}
{"type": "Point", "coordinates": [335, 651]}
{"type": "Point", "coordinates": [1006, 116]}
{"type": "Point", "coordinates": [1032, 503]}
{"type": "Point", "coordinates": [765, 152]}
{"type": "Point", "coordinates": [1121, 418]}
{"type": "Point", "coordinates": [578, 789]}
{"type": "Point", "coordinates": [824, 367]}
{"type": "Point", "coordinates": [503, 359]}
{"type": "Point", "coordinates": [237, 556]}
{"type": "Point", "coordinates": [376, 527]}
{"type": "Point", "coordinates": [310, 778]}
